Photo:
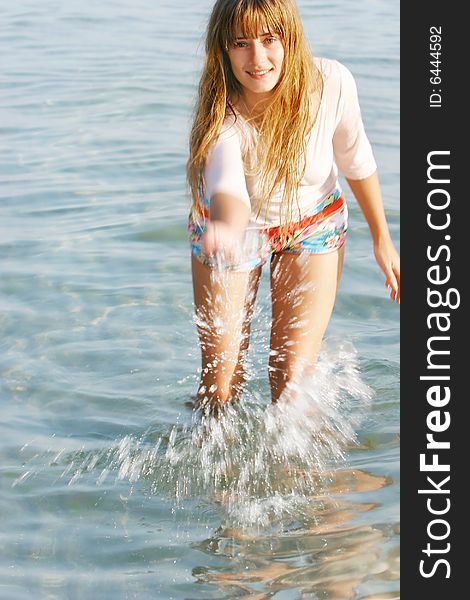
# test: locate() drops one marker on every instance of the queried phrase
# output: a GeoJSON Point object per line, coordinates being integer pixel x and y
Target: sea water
{"type": "Point", "coordinates": [111, 486]}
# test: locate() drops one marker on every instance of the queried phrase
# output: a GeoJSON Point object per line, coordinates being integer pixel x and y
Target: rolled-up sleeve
{"type": "Point", "coordinates": [352, 149]}
{"type": "Point", "coordinates": [224, 172]}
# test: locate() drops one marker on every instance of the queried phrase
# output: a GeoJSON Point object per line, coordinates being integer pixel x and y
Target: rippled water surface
{"type": "Point", "coordinates": [110, 486]}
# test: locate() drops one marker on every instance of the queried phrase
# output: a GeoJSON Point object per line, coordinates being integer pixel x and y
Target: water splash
{"type": "Point", "coordinates": [257, 463]}
{"type": "Point", "coordinates": [261, 463]}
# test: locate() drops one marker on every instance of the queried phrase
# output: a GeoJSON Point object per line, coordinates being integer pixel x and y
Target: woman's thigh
{"type": "Point", "coordinates": [224, 303]}
{"type": "Point", "coordinates": [303, 292]}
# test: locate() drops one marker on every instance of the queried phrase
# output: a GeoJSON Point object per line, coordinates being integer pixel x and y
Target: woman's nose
{"type": "Point", "coordinates": [258, 52]}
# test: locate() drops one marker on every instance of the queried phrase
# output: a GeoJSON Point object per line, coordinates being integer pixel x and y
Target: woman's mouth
{"type": "Point", "coordinates": [259, 74]}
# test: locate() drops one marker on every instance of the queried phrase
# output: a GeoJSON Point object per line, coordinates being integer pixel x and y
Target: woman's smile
{"type": "Point", "coordinates": [259, 74]}
{"type": "Point", "coordinates": [257, 63]}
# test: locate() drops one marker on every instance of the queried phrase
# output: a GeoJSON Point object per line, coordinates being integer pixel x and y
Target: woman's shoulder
{"type": "Point", "coordinates": [234, 135]}
{"type": "Point", "coordinates": [338, 80]}
{"type": "Point", "coordinates": [236, 129]}
{"type": "Point", "coordinates": [332, 70]}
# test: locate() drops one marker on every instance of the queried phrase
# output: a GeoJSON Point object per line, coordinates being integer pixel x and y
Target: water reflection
{"type": "Point", "coordinates": [320, 555]}
{"type": "Point", "coordinates": [293, 517]}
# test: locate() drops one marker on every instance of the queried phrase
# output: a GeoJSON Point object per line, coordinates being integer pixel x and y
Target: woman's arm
{"type": "Point", "coordinates": [225, 186]}
{"type": "Point", "coordinates": [369, 197]}
{"type": "Point", "coordinates": [229, 209]}
{"type": "Point", "coordinates": [228, 218]}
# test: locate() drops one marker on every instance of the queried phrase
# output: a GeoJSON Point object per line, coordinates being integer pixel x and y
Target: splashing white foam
{"type": "Point", "coordinates": [258, 463]}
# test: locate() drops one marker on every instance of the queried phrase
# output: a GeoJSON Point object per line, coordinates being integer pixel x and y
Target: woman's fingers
{"type": "Point", "coordinates": [209, 241]}
{"type": "Point", "coordinates": [396, 270]}
{"type": "Point", "coordinates": [220, 239]}
{"type": "Point", "coordinates": [388, 260]}
{"type": "Point", "coordinates": [392, 281]}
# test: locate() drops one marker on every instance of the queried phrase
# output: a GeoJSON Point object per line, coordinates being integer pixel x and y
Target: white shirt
{"type": "Point", "coordinates": [337, 140]}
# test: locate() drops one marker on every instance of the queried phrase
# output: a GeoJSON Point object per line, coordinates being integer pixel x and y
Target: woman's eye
{"type": "Point", "coordinates": [245, 44]}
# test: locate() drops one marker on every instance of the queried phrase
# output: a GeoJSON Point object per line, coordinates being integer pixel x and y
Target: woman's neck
{"type": "Point", "coordinates": [254, 105]}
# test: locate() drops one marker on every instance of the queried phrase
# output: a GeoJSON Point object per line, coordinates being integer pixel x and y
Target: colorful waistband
{"type": "Point", "coordinates": [329, 204]}
{"type": "Point", "coordinates": [279, 235]}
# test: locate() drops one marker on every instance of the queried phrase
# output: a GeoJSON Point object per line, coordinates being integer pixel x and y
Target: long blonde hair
{"type": "Point", "coordinates": [288, 118]}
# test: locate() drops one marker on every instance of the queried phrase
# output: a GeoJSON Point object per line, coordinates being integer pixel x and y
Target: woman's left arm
{"type": "Point", "coordinates": [369, 197]}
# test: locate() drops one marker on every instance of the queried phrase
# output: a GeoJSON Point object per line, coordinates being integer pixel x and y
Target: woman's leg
{"type": "Point", "coordinates": [224, 304]}
{"type": "Point", "coordinates": [303, 291]}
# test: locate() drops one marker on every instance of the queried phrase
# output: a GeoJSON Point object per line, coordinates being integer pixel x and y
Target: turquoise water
{"type": "Point", "coordinates": [108, 489]}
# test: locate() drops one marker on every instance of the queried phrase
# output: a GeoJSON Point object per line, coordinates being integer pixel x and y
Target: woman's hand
{"type": "Point", "coordinates": [368, 195]}
{"type": "Point", "coordinates": [222, 241]}
{"type": "Point", "coordinates": [389, 261]}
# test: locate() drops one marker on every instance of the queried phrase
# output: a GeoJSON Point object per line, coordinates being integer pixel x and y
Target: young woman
{"type": "Point", "coordinates": [272, 127]}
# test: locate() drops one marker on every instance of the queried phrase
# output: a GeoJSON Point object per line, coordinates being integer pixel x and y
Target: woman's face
{"type": "Point", "coordinates": [257, 63]}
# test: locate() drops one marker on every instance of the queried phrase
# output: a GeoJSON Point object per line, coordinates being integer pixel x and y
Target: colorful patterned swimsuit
{"type": "Point", "coordinates": [322, 230]}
